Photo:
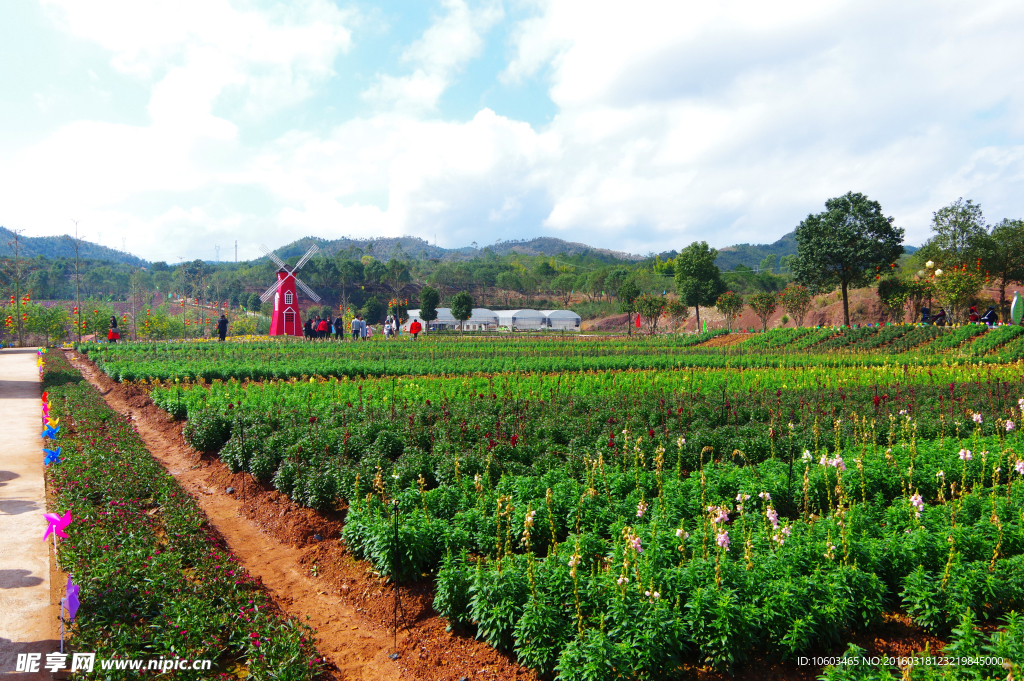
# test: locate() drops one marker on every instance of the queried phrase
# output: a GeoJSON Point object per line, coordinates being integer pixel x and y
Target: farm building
{"type": "Point", "coordinates": [482, 319]}
{"type": "Point", "coordinates": [562, 320]}
{"type": "Point", "coordinates": [522, 320]}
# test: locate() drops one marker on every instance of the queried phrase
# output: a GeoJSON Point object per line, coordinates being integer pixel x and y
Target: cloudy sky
{"type": "Point", "coordinates": [641, 126]}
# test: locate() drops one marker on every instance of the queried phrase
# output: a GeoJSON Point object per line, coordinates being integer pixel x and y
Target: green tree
{"type": "Point", "coordinates": [1005, 258]}
{"type": "Point", "coordinates": [509, 283]}
{"type": "Point", "coordinates": [677, 312]}
{"type": "Point", "coordinates": [649, 307]}
{"type": "Point", "coordinates": [729, 304]}
{"type": "Point", "coordinates": [698, 279]}
{"type": "Point", "coordinates": [796, 301]}
{"type": "Point", "coordinates": [462, 307]}
{"type": "Point", "coordinates": [893, 293]}
{"type": "Point", "coordinates": [957, 288]}
{"type": "Point", "coordinates": [844, 244]}
{"type": "Point", "coordinates": [429, 300]}
{"type": "Point", "coordinates": [564, 285]}
{"type": "Point", "coordinates": [960, 235]}
{"type": "Point", "coordinates": [763, 304]}
{"type": "Point", "coordinates": [628, 293]}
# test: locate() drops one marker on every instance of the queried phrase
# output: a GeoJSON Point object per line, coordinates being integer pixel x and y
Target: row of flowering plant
{"type": "Point", "coordinates": [154, 580]}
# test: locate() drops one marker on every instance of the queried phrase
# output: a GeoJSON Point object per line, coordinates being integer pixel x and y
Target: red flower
{"type": "Point", "coordinates": [515, 439]}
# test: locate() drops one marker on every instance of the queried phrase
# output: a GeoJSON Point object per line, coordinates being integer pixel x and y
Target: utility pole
{"type": "Point", "coordinates": [236, 251]}
{"type": "Point", "coordinates": [76, 244]}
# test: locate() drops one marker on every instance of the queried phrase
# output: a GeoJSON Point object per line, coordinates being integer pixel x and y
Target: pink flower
{"type": "Point", "coordinates": [640, 509]}
{"type": "Point", "coordinates": [722, 539]}
{"type": "Point", "coordinates": [635, 543]}
{"type": "Point", "coordinates": [1010, 425]}
{"type": "Point", "coordinates": [773, 517]}
{"type": "Point", "coordinates": [765, 496]}
{"type": "Point", "coordinates": [965, 455]}
{"type": "Point", "coordinates": [1019, 467]}
{"type": "Point", "coordinates": [917, 502]}
{"type": "Point", "coordinates": [976, 418]}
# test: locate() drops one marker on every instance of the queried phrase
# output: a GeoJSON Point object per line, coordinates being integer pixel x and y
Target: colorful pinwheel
{"type": "Point", "coordinates": [52, 456]}
{"type": "Point", "coordinates": [71, 600]}
{"type": "Point", "coordinates": [51, 432]}
{"type": "Point", "coordinates": [57, 523]}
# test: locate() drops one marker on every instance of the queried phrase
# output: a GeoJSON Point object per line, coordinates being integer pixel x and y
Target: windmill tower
{"type": "Point", "coordinates": [287, 320]}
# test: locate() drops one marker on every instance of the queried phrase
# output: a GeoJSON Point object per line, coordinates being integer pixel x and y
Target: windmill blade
{"type": "Point", "coordinates": [308, 291]}
{"type": "Point", "coordinates": [309, 254]}
{"type": "Point", "coordinates": [270, 291]}
{"type": "Point", "coordinates": [273, 256]}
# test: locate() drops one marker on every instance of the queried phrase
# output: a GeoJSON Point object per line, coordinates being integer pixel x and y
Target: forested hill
{"type": "Point", "coordinates": [53, 247]}
{"type": "Point", "coordinates": [751, 255]}
{"type": "Point", "coordinates": [385, 248]}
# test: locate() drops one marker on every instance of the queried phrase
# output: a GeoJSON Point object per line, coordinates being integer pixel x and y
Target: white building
{"type": "Point", "coordinates": [522, 320]}
{"type": "Point", "coordinates": [561, 320]}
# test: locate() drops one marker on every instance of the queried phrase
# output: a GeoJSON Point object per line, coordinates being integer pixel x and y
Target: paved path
{"type": "Point", "coordinates": [25, 610]}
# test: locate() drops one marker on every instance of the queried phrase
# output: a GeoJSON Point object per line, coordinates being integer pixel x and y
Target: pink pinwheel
{"type": "Point", "coordinates": [71, 600]}
{"type": "Point", "coordinates": [57, 524]}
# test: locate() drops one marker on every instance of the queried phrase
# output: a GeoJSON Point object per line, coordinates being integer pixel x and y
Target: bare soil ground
{"type": "Point", "coordinates": [352, 609]}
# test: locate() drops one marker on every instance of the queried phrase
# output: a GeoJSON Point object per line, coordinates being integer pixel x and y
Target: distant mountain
{"type": "Point", "coordinates": [751, 255]}
{"type": "Point", "coordinates": [59, 247]}
{"type": "Point", "coordinates": [385, 248]}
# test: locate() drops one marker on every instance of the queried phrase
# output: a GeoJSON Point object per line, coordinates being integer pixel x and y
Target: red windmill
{"type": "Point", "coordinates": [287, 320]}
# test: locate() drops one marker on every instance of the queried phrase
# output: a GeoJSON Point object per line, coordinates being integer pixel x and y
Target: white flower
{"type": "Point", "coordinates": [965, 455]}
{"type": "Point", "coordinates": [940, 474]}
{"type": "Point", "coordinates": [1010, 425]}
{"type": "Point", "coordinates": [976, 418]}
{"type": "Point", "coordinates": [806, 455]}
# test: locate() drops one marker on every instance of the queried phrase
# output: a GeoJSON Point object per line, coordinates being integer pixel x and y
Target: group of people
{"type": "Point", "coordinates": [991, 318]}
{"type": "Point", "coordinates": [319, 328]}
{"type": "Point", "coordinates": [114, 334]}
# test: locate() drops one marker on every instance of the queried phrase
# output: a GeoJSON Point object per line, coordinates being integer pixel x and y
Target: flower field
{"type": "Point", "coordinates": [259, 361]}
{"type": "Point", "coordinates": [154, 580]}
{"type": "Point", "coordinates": [631, 509]}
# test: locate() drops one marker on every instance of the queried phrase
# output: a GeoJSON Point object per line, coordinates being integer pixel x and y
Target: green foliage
{"type": "Point", "coordinates": [796, 300]}
{"type": "Point", "coordinates": [429, 300]}
{"type": "Point", "coordinates": [763, 304]}
{"type": "Point", "coordinates": [730, 305]}
{"type": "Point", "coordinates": [844, 244]}
{"type": "Point", "coordinates": [462, 306]}
{"type": "Point", "coordinates": [698, 279]}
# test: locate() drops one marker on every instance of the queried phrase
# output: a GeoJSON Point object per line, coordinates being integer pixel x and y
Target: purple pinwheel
{"type": "Point", "coordinates": [71, 600]}
{"type": "Point", "coordinates": [57, 524]}
{"type": "Point", "coordinates": [52, 456]}
{"type": "Point", "coordinates": [51, 432]}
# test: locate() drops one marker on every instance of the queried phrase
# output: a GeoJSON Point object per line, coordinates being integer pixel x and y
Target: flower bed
{"type": "Point", "coordinates": [154, 580]}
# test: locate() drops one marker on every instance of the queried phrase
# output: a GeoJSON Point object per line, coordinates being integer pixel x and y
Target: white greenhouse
{"type": "Point", "coordinates": [522, 320]}
{"type": "Point", "coordinates": [481, 319]}
{"type": "Point", "coordinates": [562, 320]}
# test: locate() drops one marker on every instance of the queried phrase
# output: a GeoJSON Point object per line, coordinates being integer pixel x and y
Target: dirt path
{"type": "Point", "coordinates": [277, 541]}
{"type": "Point", "coordinates": [27, 616]}
{"type": "Point", "coordinates": [357, 649]}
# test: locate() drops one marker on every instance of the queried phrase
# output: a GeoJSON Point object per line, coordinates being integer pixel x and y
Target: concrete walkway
{"type": "Point", "coordinates": [25, 608]}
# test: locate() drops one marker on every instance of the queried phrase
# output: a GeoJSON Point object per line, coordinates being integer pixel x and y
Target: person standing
{"type": "Point", "coordinates": [355, 327]}
{"type": "Point", "coordinates": [307, 329]}
{"type": "Point", "coordinates": [414, 328]}
{"type": "Point", "coordinates": [222, 327]}
{"type": "Point", "coordinates": [339, 328]}
{"type": "Point", "coordinates": [114, 334]}
{"type": "Point", "coordinates": [322, 328]}
{"type": "Point", "coordinates": [362, 328]}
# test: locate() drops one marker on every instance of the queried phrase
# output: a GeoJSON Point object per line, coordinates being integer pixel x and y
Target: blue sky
{"type": "Point", "coordinates": [642, 126]}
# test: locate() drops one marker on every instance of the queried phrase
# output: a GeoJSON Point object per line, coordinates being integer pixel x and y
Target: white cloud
{"type": "Point", "coordinates": [676, 120]}
{"type": "Point", "coordinates": [446, 46]}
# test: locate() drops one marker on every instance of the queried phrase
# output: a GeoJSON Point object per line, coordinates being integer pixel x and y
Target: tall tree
{"type": "Point", "coordinates": [698, 279]}
{"type": "Point", "coordinates": [1005, 258]}
{"type": "Point", "coordinates": [650, 308]}
{"type": "Point", "coordinates": [462, 307]}
{"type": "Point", "coordinates": [763, 304]}
{"type": "Point", "coordinates": [960, 235]}
{"type": "Point", "coordinates": [429, 299]}
{"type": "Point", "coordinates": [843, 245]}
{"type": "Point", "coordinates": [628, 293]}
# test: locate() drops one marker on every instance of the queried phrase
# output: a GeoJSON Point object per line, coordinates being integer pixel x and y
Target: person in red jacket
{"type": "Point", "coordinates": [415, 328]}
{"type": "Point", "coordinates": [322, 328]}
